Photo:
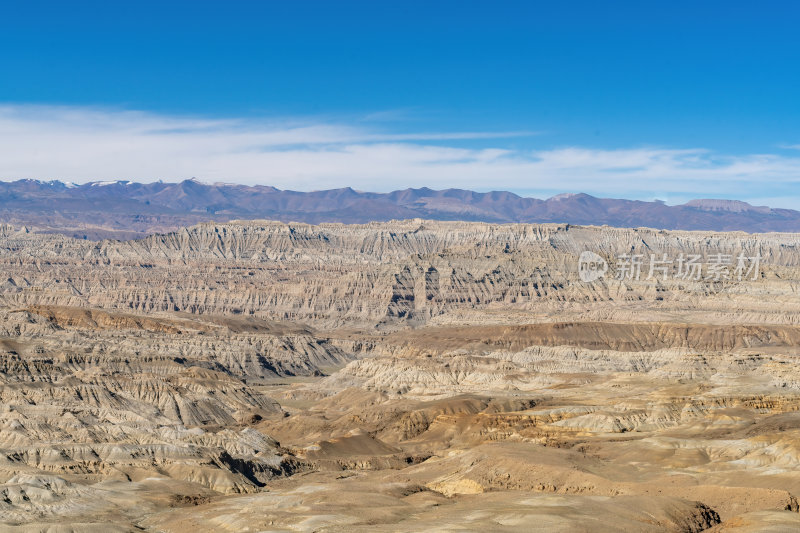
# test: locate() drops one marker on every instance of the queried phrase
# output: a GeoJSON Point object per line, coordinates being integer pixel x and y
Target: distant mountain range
{"type": "Point", "coordinates": [124, 209]}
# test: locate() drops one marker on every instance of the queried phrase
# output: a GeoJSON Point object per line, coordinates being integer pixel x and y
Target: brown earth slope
{"type": "Point", "coordinates": [407, 376]}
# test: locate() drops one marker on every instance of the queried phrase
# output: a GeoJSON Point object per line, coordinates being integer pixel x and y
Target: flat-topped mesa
{"type": "Point", "coordinates": [733, 206]}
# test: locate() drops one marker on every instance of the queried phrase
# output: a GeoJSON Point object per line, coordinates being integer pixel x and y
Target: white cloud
{"type": "Point", "coordinates": [85, 144]}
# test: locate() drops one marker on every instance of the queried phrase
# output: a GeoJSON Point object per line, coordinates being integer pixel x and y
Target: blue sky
{"type": "Point", "coordinates": [670, 100]}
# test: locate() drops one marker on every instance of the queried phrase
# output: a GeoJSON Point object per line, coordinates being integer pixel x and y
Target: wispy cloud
{"type": "Point", "coordinates": [392, 115]}
{"type": "Point", "coordinates": [84, 144]}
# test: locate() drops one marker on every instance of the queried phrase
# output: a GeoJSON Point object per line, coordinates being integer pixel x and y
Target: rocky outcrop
{"type": "Point", "coordinates": [336, 275]}
{"type": "Point", "coordinates": [411, 375]}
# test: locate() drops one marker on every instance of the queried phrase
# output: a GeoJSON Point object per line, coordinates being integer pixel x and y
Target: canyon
{"type": "Point", "coordinates": [410, 375]}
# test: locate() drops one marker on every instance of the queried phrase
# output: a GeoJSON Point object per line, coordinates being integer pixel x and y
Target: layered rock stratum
{"type": "Point", "coordinates": [401, 376]}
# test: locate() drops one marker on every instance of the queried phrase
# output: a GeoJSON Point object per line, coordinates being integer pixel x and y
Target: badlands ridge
{"type": "Point", "coordinates": [398, 376]}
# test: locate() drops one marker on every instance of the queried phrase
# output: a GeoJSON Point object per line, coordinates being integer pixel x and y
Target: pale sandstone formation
{"type": "Point", "coordinates": [334, 275]}
{"type": "Point", "coordinates": [404, 376]}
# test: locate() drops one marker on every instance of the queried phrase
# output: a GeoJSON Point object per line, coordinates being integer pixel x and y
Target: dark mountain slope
{"type": "Point", "coordinates": [126, 209]}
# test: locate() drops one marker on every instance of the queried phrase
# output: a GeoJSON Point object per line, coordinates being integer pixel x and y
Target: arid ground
{"type": "Point", "coordinates": [399, 376]}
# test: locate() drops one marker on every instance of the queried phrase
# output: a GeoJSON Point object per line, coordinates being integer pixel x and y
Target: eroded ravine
{"type": "Point", "coordinates": [398, 376]}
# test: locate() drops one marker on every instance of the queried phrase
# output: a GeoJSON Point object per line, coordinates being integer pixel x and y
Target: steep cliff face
{"type": "Point", "coordinates": [336, 275]}
{"type": "Point", "coordinates": [284, 376]}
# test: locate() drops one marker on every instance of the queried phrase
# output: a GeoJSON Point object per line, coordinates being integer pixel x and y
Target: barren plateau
{"type": "Point", "coordinates": [398, 376]}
